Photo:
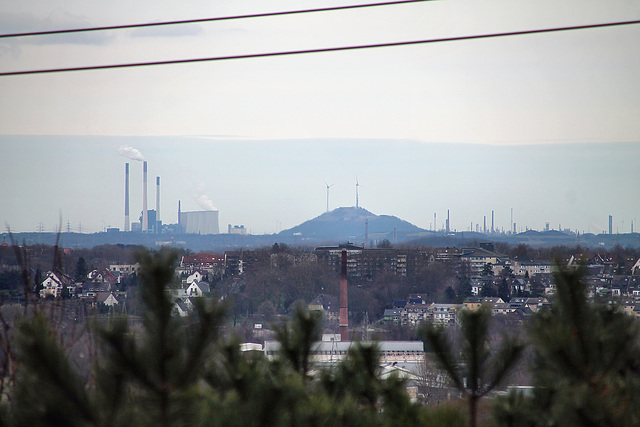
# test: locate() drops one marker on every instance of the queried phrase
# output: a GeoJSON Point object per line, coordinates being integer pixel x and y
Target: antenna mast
{"type": "Point", "coordinates": [357, 185]}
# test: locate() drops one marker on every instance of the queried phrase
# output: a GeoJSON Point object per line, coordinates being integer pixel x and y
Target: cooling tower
{"type": "Point", "coordinates": [199, 222]}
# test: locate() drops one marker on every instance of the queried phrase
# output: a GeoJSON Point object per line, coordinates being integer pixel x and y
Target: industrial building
{"type": "Point", "coordinates": [199, 222]}
{"type": "Point", "coordinates": [406, 354]}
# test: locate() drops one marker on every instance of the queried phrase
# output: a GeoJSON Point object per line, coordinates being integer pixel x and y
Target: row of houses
{"type": "Point", "coordinates": [192, 287]}
{"type": "Point", "coordinates": [364, 264]}
{"type": "Point", "coordinates": [415, 310]}
{"type": "Point", "coordinates": [97, 290]}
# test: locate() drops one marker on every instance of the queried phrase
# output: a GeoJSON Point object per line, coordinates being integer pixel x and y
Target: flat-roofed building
{"type": "Point", "coordinates": [406, 354]}
{"type": "Point", "coordinates": [199, 222]}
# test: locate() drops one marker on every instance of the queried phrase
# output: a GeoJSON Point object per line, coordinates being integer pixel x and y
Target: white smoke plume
{"type": "Point", "coordinates": [131, 153]}
{"type": "Point", "coordinates": [203, 200]}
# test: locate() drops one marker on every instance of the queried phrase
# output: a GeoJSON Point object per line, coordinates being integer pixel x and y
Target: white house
{"type": "Point", "coordinates": [54, 284]}
{"type": "Point", "coordinates": [195, 277]}
{"type": "Point", "coordinates": [197, 289]}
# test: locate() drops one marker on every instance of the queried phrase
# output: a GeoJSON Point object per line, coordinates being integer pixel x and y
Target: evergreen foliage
{"type": "Point", "coordinates": [586, 368]}
{"type": "Point", "coordinates": [169, 371]}
{"type": "Point", "coordinates": [161, 365]}
{"type": "Point", "coordinates": [296, 339]}
{"type": "Point", "coordinates": [48, 391]}
{"type": "Point", "coordinates": [477, 371]}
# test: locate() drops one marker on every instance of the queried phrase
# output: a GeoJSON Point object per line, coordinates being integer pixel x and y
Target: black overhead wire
{"type": "Point", "coordinates": [321, 50]}
{"type": "Point", "coordinates": [222, 18]}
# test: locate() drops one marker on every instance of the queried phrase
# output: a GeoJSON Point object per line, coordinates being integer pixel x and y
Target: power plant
{"type": "Point", "coordinates": [197, 222]}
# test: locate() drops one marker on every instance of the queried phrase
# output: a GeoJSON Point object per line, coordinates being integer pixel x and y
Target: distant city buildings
{"type": "Point", "coordinates": [237, 229]}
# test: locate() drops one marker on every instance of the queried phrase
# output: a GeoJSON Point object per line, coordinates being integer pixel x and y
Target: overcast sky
{"type": "Point", "coordinates": [539, 91]}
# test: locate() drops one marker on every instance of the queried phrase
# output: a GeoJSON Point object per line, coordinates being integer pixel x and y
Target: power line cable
{"type": "Point", "coordinates": [319, 50]}
{"type": "Point", "coordinates": [222, 18]}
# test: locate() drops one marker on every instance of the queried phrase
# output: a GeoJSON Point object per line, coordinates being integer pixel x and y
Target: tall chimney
{"type": "Point", "coordinates": [512, 218]}
{"type": "Point", "coordinates": [492, 223]}
{"type": "Point", "coordinates": [344, 303]}
{"type": "Point", "coordinates": [157, 204]}
{"type": "Point", "coordinates": [447, 221]}
{"type": "Point", "coordinates": [126, 198]}
{"type": "Point", "coordinates": [145, 217]}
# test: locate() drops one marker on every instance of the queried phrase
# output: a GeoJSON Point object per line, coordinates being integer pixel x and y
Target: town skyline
{"type": "Point", "coordinates": [544, 124]}
{"type": "Point", "coordinates": [270, 186]}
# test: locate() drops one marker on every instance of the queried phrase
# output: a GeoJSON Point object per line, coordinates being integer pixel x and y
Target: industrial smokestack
{"type": "Point", "coordinates": [610, 224]}
{"type": "Point", "coordinates": [492, 223]}
{"type": "Point", "coordinates": [126, 198]}
{"type": "Point", "coordinates": [447, 221]}
{"type": "Point", "coordinates": [145, 217]}
{"type": "Point", "coordinates": [344, 303]}
{"type": "Point", "coordinates": [157, 204]}
{"type": "Point", "coordinates": [512, 218]}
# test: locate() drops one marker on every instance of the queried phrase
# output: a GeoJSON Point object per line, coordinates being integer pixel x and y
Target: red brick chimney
{"type": "Point", "coordinates": [344, 301]}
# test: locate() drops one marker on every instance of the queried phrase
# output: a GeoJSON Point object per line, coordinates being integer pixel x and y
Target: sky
{"type": "Point", "coordinates": [545, 124]}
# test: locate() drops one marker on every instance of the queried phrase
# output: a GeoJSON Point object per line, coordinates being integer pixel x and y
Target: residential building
{"type": "Point", "coordinates": [197, 289]}
{"type": "Point", "coordinates": [125, 269]}
{"type": "Point", "coordinates": [477, 258]}
{"type": "Point", "coordinates": [54, 284]}
{"type": "Point", "coordinates": [327, 304]}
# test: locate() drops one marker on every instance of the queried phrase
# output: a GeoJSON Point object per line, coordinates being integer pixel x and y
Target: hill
{"type": "Point", "coordinates": [348, 223]}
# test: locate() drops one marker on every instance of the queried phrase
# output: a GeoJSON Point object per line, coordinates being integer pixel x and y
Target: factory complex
{"type": "Point", "coordinates": [196, 222]}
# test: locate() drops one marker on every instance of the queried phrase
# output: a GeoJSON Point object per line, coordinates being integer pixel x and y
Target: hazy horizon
{"type": "Point", "coordinates": [546, 124]}
{"type": "Point", "coordinates": [273, 185]}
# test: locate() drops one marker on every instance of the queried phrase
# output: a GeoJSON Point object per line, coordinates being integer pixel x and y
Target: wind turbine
{"type": "Point", "coordinates": [328, 187]}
